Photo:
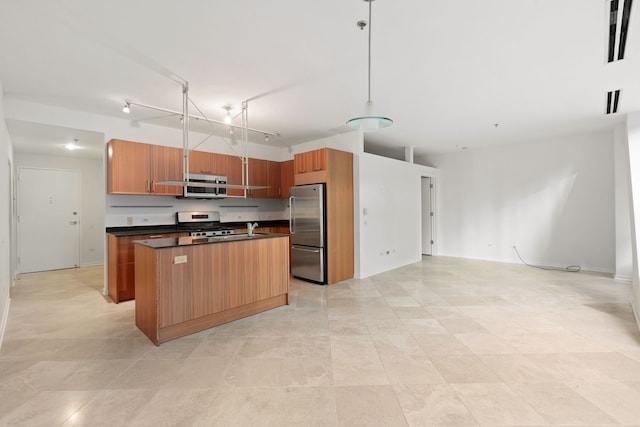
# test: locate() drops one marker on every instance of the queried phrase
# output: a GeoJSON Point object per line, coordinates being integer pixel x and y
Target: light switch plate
{"type": "Point", "coordinates": [180, 259]}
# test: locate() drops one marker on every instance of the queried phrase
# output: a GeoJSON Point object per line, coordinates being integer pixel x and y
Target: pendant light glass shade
{"type": "Point", "coordinates": [369, 122]}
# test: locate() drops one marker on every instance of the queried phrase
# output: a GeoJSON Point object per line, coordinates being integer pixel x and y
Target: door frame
{"type": "Point", "coordinates": [17, 204]}
{"type": "Point", "coordinates": [427, 220]}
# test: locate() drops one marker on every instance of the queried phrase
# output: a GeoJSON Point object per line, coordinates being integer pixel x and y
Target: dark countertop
{"type": "Point", "coordinates": [159, 229]}
{"type": "Point", "coordinates": [198, 240]}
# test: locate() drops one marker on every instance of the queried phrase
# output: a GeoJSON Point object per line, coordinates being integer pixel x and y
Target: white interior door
{"type": "Point", "coordinates": [48, 219]}
{"type": "Point", "coordinates": [427, 217]}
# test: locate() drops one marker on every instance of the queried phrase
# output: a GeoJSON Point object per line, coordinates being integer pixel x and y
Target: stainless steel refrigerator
{"type": "Point", "coordinates": [307, 224]}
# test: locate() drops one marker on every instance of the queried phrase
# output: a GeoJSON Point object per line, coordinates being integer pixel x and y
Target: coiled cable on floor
{"type": "Point", "coordinates": [569, 268]}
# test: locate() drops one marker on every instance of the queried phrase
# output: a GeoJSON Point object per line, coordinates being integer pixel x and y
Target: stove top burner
{"type": "Point", "coordinates": [206, 224]}
{"type": "Point", "coordinates": [212, 233]}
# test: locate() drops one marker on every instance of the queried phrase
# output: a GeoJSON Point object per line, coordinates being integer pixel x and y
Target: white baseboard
{"type": "Point", "coordinates": [91, 264]}
{"type": "Point", "coordinates": [5, 317]}
{"type": "Point", "coordinates": [623, 279]}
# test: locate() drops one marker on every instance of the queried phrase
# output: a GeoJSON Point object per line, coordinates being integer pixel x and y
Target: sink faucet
{"type": "Point", "coordinates": [251, 227]}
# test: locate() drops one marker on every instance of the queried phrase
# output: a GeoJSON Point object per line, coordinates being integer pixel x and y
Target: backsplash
{"type": "Point", "coordinates": [131, 210]}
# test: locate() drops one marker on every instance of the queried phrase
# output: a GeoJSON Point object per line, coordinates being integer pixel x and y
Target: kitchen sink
{"type": "Point", "coordinates": [237, 236]}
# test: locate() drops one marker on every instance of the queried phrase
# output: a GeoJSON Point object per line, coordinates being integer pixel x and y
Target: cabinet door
{"type": "Point", "coordinates": [121, 263]}
{"type": "Point", "coordinates": [200, 162]}
{"type": "Point", "coordinates": [286, 178]}
{"type": "Point", "coordinates": [233, 172]}
{"type": "Point", "coordinates": [166, 166]}
{"type": "Point", "coordinates": [258, 175]}
{"type": "Point", "coordinates": [303, 162]}
{"type": "Point", "coordinates": [128, 167]}
{"type": "Point", "coordinates": [311, 161]}
{"type": "Point", "coordinates": [319, 160]}
{"type": "Point", "coordinates": [273, 181]}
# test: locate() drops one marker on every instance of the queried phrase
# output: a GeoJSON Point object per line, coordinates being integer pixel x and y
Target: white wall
{"type": "Point", "coordinates": [623, 251]}
{"type": "Point", "coordinates": [633, 135]}
{"type": "Point", "coordinates": [92, 199]}
{"type": "Point", "coordinates": [553, 199]}
{"type": "Point", "coordinates": [390, 215]}
{"type": "Point", "coordinates": [6, 204]}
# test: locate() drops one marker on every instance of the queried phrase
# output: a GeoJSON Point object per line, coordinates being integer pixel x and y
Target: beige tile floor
{"type": "Point", "coordinates": [444, 342]}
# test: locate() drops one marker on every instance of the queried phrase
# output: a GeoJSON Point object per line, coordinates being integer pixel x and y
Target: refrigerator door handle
{"type": "Point", "coordinates": [315, 251]}
{"type": "Point", "coordinates": [291, 216]}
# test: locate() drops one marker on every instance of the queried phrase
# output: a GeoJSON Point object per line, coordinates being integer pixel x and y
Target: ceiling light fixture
{"type": "Point", "coordinates": [72, 145]}
{"type": "Point", "coordinates": [369, 122]}
{"type": "Point", "coordinates": [227, 118]}
{"type": "Point", "coordinates": [266, 138]}
{"type": "Point", "coordinates": [126, 108]}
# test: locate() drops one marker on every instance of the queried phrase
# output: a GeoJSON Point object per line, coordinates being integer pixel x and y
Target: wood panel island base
{"type": "Point", "coordinates": [188, 284]}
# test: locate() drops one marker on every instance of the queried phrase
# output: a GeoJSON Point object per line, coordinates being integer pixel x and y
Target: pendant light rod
{"type": "Point", "coordinates": [220, 122]}
{"type": "Point", "coordinates": [369, 122]}
{"type": "Point", "coordinates": [369, 65]}
{"type": "Point", "coordinates": [185, 132]}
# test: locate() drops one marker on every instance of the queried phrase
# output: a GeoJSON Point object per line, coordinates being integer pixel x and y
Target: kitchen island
{"type": "Point", "coordinates": [188, 284]}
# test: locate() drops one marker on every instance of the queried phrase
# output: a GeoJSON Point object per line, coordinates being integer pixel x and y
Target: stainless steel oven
{"type": "Point", "coordinates": [207, 186]}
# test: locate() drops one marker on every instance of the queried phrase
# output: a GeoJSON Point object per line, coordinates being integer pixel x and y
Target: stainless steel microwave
{"type": "Point", "coordinates": [207, 189]}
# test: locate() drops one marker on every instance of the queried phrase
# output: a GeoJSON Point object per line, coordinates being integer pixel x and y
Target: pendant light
{"type": "Point", "coordinates": [369, 121]}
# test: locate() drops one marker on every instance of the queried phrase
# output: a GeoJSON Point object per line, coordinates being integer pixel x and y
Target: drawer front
{"type": "Point", "coordinates": [308, 263]}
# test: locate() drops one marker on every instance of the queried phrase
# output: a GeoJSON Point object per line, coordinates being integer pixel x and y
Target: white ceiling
{"type": "Point", "coordinates": [445, 71]}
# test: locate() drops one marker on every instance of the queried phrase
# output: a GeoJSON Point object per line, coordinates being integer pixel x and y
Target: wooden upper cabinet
{"type": "Point", "coordinates": [234, 174]}
{"type": "Point", "coordinates": [273, 179]}
{"type": "Point", "coordinates": [135, 168]}
{"type": "Point", "coordinates": [166, 165]}
{"type": "Point", "coordinates": [311, 161]}
{"type": "Point", "coordinates": [128, 167]}
{"type": "Point", "coordinates": [202, 162]}
{"type": "Point", "coordinates": [258, 175]}
{"type": "Point", "coordinates": [265, 173]}
{"type": "Point", "coordinates": [286, 178]}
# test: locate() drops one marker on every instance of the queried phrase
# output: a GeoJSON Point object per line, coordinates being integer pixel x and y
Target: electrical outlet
{"type": "Point", "coordinates": [129, 220]}
{"type": "Point", "coordinates": [180, 259]}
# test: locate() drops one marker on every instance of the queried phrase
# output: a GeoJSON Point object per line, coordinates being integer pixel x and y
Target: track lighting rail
{"type": "Point", "coordinates": [178, 113]}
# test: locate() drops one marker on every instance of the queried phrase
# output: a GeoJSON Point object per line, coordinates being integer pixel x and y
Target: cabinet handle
{"type": "Point", "coordinates": [151, 187]}
{"type": "Point", "coordinates": [157, 236]}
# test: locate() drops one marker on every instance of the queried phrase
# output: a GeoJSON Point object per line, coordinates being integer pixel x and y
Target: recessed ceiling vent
{"type": "Point", "coordinates": [613, 99]}
{"type": "Point", "coordinates": [618, 29]}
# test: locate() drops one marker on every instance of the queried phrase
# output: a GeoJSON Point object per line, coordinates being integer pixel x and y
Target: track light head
{"type": "Point", "coordinates": [227, 117]}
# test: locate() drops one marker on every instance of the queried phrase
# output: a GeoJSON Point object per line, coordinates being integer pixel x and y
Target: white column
{"type": "Point", "coordinates": [408, 154]}
{"type": "Point", "coordinates": [633, 135]}
{"type": "Point", "coordinates": [623, 250]}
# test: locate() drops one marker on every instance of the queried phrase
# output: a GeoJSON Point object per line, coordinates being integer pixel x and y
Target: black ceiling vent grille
{"type": "Point", "coordinates": [624, 30]}
{"type": "Point", "coordinates": [618, 29]}
{"type": "Point", "coordinates": [613, 100]}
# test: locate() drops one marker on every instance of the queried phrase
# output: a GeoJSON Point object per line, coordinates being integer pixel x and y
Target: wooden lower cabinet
{"type": "Point", "coordinates": [218, 283]}
{"type": "Point", "coordinates": [121, 263]}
